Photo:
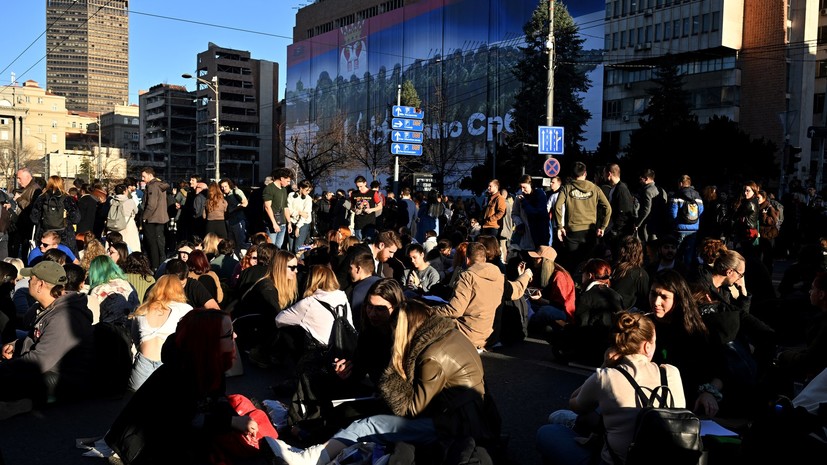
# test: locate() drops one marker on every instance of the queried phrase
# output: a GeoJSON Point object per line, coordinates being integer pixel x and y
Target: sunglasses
{"type": "Point", "coordinates": [292, 267]}
{"type": "Point", "coordinates": [44, 244]}
{"type": "Point", "coordinates": [254, 258]}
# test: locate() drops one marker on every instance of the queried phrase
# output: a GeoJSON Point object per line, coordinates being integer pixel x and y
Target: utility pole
{"type": "Point", "coordinates": [550, 48]}
{"type": "Point", "coordinates": [100, 149]}
{"type": "Point", "coordinates": [396, 157]}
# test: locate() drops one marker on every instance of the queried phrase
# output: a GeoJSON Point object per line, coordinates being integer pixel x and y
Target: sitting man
{"type": "Point", "coordinates": [56, 359]}
{"type": "Point", "coordinates": [50, 240]}
{"type": "Point", "coordinates": [477, 295]}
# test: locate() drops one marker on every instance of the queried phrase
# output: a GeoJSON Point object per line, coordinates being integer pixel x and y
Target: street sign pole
{"type": "Point", "coordinates": [396, 157]}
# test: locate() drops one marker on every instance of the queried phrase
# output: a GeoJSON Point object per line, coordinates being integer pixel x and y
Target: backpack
{"type": "Point", "coordinates": [779, 207]}
{"type": "Point", "coordinates": [662, 434]}
{"type": "Point", "coordinates": [116, 219]}
{"type": "Point", "coordinates": [688, 213]}
{"type": "Point", "coordinates": [343, 336]}
{"type": "Point", "coordinates": [54, 213]}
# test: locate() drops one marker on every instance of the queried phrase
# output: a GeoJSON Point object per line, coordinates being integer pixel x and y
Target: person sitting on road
{"type": "Point", "coordinates": [50, 240]}
{"type": "Point", "coordinates": [111, 297]}
{"type": "Point", "coordinates": [55, 360]}
{"type": "Point", "coordinates": [610, 393]}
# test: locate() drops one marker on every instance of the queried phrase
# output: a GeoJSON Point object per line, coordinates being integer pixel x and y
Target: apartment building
{"type": "Point", "coordinates": [166, 131]}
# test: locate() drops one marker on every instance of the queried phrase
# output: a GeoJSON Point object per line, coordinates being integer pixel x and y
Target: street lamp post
{"type": "Point", "coordinates": [213, 86]}
{"type": "Point", "coordinates": [495, 124]}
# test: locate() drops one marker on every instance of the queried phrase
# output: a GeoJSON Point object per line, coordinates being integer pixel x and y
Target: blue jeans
{"type": "Point", "coordinates": [547, 314]}
{"type": "Point", "coordinates": [142, 367]}
{"type": "Point", "coordinates": [277, 238]}
{"type": "Point", "coordinates": [686, 244]}
{"type": "Point", "coordinates": [238, 233]}
{"type": "Point", "coordinates": [295, 242]}
{"type": "Point", "coordinates": [387, 429]}
{"type": "Point", "coordinates": [557, 446]}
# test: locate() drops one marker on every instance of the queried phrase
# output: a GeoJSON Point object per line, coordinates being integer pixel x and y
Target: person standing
{"type": "Point", "coordinates": [19, 245]}
{"type": "Point", "coordinates": [365, 202]}
{"type": "Point", "coordinates": [686, 209]}
{"type": "Point", "coordinates": [87, 206]}
{"type": "Point", "coordinates": [533, 204]}
{"type": "Point", "coordinates": [300, 204]}
{"type": "Point", "coordinates": [652, 211]}
{"type": "Point", "coordinates": [130, 209]}
{"type": "Point", "coordinates": [623, 206]}
{"type": "Point", "coordinates": [552, 195]}
{"type": "Point", "coordinates": [576, 211]}
{"type": "Point", "coordinates": [155, 216]}
{"type": "Point", "coordinates": [215, 210]}
{"type": "Point", "coordinates": [55, 210]}
{"type": "Point", "coordinates": [276, 212]}
{"type": "Point", "coordinates": [236, 219]}
{"type": "Point", "coordinates": [492, 216]}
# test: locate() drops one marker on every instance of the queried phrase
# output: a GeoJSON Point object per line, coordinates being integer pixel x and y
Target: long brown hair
{"type": "Point", "coordinates": [288, 289]}
{"type": "Point", "coordinates": [215, 196]}
{"type": "Point", "coordinates": [54, 185]}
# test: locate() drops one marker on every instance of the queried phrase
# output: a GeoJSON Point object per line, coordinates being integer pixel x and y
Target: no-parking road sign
{"type": "Point", "coordinates": [551, 167]}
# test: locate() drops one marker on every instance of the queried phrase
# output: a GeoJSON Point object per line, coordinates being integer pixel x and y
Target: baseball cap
{"type": "Point", "coordinates": [48, 271]}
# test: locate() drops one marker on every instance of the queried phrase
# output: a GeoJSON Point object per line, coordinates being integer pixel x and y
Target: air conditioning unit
{"type": "Point", "coordinates": [638, 47]}
{"type": "Point", "coordinates": [824, 12]}
{"type": "Point", "coordinates": [625, 118]}
{"type": "Point", "coordinates": [647, 12]}
{"type": "Point", "coordinates": [647, 45]}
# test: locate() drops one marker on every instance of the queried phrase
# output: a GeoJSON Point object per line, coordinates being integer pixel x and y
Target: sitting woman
{"type": "Point", "coordinates": [181, 414]}
{"type": "Point", "coordinates": [199, 269]}
{"type": "Point", "coordinates": [434, 386]}
{"type": "Point", "coordinates": [118, 251]}
{"type": "Point", "coordinates": [111, 297]}
{"type": "Point", "coordinates": [629, 277]}
{"type": "Point", "coordinates": [152, 323]}
{"type": "Point", "coordinates": [588, 336]}
{"type": "Point", "coordinates": [609, 392]}
{"type": "Point", "coordinates": [139, 273]}
{"type": "Point", "coordinates": [92, 248]}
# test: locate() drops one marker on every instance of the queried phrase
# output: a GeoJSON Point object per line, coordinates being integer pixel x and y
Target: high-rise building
{"type": "Point", "coordinates": [167, 132]}
{"type": "Point", "coordinates": [248, 108]}
{"type": "Point", "coordinates": [87, 57]}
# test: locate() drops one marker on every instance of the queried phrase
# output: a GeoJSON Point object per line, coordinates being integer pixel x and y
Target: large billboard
{"type": "Point", "coordinates": [459, 54]}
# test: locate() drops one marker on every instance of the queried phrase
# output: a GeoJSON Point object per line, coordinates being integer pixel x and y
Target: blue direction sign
{"type": "Point", "coordinates": [406, 149]}
{"type": "Point", "coordinates": [550, 140]}
{"type": "Point", "coordinates": [406, 124]}
{"type": "Point", "coordinates": [407, 112]}
{"type": "Point", "coordinates": [406, 136]}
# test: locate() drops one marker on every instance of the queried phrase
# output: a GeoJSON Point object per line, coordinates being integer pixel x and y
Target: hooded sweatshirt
{"type": "Point", "coordinates": [477, 295]}
{"type": "Point", "coordinates": [579, 200]}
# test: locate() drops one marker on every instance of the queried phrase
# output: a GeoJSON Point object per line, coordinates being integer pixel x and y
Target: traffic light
{"type": "Point", "coordinates": [792, 154]}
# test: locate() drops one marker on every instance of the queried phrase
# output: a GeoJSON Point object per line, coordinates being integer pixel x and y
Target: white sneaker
{"type": "Point", "coordinates": [313, 455]}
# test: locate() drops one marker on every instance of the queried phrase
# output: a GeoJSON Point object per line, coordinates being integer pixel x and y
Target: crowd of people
{"type": "Point", "coordinates": [608, 275]}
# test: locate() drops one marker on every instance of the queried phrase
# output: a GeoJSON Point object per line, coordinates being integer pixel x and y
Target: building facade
{"type": "Point", "coordinates": [349, 58]}
{"type": "Point", "coordinates": [247, 113]}
{"type": "Point", "coordinates": [166, 132]}
{"type": "Point", "coordinates": [87, 58]}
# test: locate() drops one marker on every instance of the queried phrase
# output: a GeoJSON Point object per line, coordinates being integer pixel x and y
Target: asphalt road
{"type": "Point", "coordinates": [526, 385]}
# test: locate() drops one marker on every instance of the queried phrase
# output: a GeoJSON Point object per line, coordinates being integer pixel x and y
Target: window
{"type": "Point", "coordinates": [613, 109]}
{"type": "Point", "coordinates": [631, 37]}
{"type": "Point", "coordinates": [640, 35]}
{"type": "Point", "coordinates": [685, 29]}
{"type": "Point", "coordinates": [716, 19]}
{"type": "Point", "coordinates": [639, 105]}
{"type": "Point", "coordinates": [622, 39]}
{"type": "Point", "coordinates": [125, 120]}
{"type": "Point", "coordinates": [818, 103]}
{"type": "Point", "coordinates": [54, 138]}
{"type": "Point", "coordinates": [705, 26]}
{"type": "Point", "coordinates": [657, 32]}
{"type": "Point", "coordinates": [648, 34]}
{"type": "Point", "coordinates": [696, 25]}
{"type": "Point", "coordinates": [676, 28]}
{"type": "Point", "coordinates": [607, 42]}
{"type": "Point", "coordinates": [821, 70]}
{"type": "Point", "coordinates": [667, 30]}
{"type": "Point", "coordinates": [54, 123]}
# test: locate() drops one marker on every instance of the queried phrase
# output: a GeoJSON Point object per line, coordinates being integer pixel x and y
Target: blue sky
{"type": "Point", "coordinates": [165, 37]}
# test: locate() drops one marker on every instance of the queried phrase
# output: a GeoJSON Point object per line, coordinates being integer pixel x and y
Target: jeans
{"type": "Point", "coordinates": [388, 429]}
{"type": "Point", "coordinates": [557, 446]}
{"type": "Point", "coordinates": [295, 242]}
{"type": "Point", "coordinates": [142, 367]}
{"type": "Point", "coordinates": [686, 243]}
{"type": "Point", "coordinates": [277, 237]}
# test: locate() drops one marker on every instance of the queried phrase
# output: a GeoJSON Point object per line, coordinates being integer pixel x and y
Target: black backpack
{"type": "Point", "coordinates": [663, 433]}
{"type": "Point", "coordinates": [54, 213]}
{"type": "Point", "coordinates": [689, 212]}
{"type": "Point", "coordinates": [343, 336]}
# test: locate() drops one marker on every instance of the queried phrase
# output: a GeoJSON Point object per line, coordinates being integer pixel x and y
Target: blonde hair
{"type": "Point", "coordinates": [210, 243]}
{"type": "Point", "coordinates": [167, 289]}
{"type": "Point", "coordinates": [54, 183]}
{"type": "Point", "coordinates": [288, 289]}
{"type": "Point", "coordinates": [18, 263]}
{"type": "Point", "coordinates": [93, 249]}
{"type": "Point", "coordinates": [321, 277]}
{"type": "Point", "coordinates": [410, 316]}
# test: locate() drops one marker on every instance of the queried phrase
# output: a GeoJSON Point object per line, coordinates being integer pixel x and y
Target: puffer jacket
{"type": "Point", "coordinates": [477, 294]}
{"type": "Point", "coordinates": [443, 380]}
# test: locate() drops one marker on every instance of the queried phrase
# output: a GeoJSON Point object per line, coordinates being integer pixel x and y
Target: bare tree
{"type": "Point", "coordinates": [24, 157]}
{"type": "Point", "coordinates": [368, 147]}
{"type": "Point", "coordinates": [317, 152]}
